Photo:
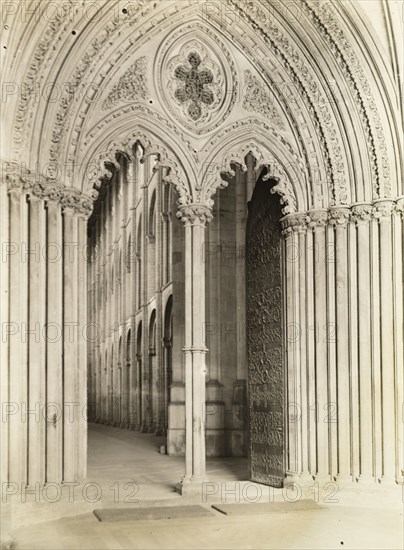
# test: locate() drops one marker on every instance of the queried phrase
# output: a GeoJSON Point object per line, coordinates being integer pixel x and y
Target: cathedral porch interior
{"type": "Point", "coordinates": [201, 286]}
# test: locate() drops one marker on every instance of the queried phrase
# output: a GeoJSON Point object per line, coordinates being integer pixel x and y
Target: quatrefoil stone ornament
{"type": "Point", "coordinates": [194, 90]}
{"type": "Point", "coordinates": [194, 78]}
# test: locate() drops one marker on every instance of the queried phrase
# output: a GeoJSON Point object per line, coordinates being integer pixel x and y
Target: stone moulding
{"type": "Point", "coordinates": [100, 166]}
{"type": "Point", "coordinates": [361, 93]}
{"type": "Point", "coordinates": [303, 79]}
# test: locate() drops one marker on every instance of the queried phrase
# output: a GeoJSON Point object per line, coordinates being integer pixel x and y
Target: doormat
{"type": "Point", "coordinates": [162, 512]}
{"type": "Point", "coordinates": [256, 508]}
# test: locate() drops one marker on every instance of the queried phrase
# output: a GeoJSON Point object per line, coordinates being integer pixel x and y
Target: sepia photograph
{"type": "Point", "coordinates": [202, 274]}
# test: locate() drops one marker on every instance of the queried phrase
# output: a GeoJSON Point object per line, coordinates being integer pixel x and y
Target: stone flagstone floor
{"type": "Point", "coordinates": [128, 470]}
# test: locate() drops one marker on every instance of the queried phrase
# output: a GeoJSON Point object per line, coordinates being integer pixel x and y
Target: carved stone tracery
{"type": "Point", "coordinates": [132, 86]}
{"type": "Point", "coordinates": [260, 100]}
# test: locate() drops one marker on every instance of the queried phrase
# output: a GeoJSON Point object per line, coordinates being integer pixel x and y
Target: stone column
{"type": "Point", "coordinates": [383, 212]}
{"type": "Point", "coordinates": [147, 420]}
{"type": "Point", "coordinates": [239, 405]}
{"type": "Point", "coordinates": [292, 348]}
{"type": "Point", "coordinates": [36, 342]}
{"type": "Point", "coordinates": [362, 215]}
{"type": "Point", "coordinates": [81, 362]}
{"type": "Point", "coordinates": [17, 360]}
{"type": "Point", "coordinates": [215, 407]}
{"type": "Point", "coordinates": [310, 353]}
{"type": "Point", "coordinates": [339, 218]}
{"type": "Point", "coordinates": [318, 221]}
{"type": "Point", "coordinates": [301, 335]}
{"type": "Point", "coordinates": [194, 217]}
{"type": "Point", "coordinates": [4, 312]}
{"type": "Point", "coordinates": [134, 402]}
{"type": "Point", "coordinates": [54, 371]}
{"type": "Point", "coordinates": [70, 345]}
{"type": "Point", "coordinates": [398, 263]}
{"type": "Point", "coordinates": [294, 228]}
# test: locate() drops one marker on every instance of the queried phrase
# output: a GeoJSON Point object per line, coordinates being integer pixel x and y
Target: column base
{"type": "Point", "coordinates": [389, 482]}
{"type": "Point", "coordinates": [366, 480]}
{"type": "Point", "coordinates": [6, 542]}
{"type": "Point", "coordinates": [191, 486]}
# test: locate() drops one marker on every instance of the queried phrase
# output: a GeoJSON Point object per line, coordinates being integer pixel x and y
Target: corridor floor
{"type": "Point", "coordinates": [126, 469]}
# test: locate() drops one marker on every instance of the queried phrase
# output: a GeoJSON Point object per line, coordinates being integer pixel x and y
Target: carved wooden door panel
{"type": "Point", "coordinates": [265, 379]}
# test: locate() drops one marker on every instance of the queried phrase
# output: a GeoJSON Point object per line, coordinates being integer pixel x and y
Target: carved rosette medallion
{"type": "Point", "coordinates": [195, 90]}
{"type": "Point", "coordinates": [195, 83]}
{"type": "Point", "coordinates": [196, 79]}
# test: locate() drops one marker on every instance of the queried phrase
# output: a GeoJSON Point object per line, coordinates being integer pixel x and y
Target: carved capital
{"type": "Point", "coordinates": [383, 209]}
{"type": "Point", "coordinates": [49, 190]}
{"type": "Point", "coordinates": [399, 207]}
{"type": "Point", "coordinates": [14, 183]}
{"type": "Point", "coordinates": [194, 214]}
{"type": "Point", "coordinates": [317, 219]}
{"type": "Point", "coordinates": [339, 216]}
{"type": "Point", "coordinates": [294, 223]}
{"type": "Point", "coordinates": [362, 213]}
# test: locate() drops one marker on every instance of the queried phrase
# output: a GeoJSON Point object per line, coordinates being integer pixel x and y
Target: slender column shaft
{"type": "Point", "coordinates": [376, 367]}
{"type": "Point", "coordinates": [194, 217]}
{"type": "Point", "coordinates": [320, 297]}
{"type": "Point", "coordinates": [241, 221]}
{"type": "Point", "coordinates": [70, 344]}
{"type": "Point", "coordinates": [17, 375]}
{"type": "Point", "coordinates": [353, 348]}
{"type": "Point", "coordinates": [301, 335]}
{"type": "Point", "coordinates": [330, 414]}
{"type": "Point", "coordinates": [342, 337]}
{"type": "Point", "coordinates": [384, 210]}
{"type": "Point", "coordinates": [292, 321]}
{"type": "Point", "coordinates": [37, 344]}
{"type": "Point", "coordinates": [54, 434]}
{"type": "Point", "coordinates": [4, 313]}
{"type": "Point", "coordinates": [364, 342]}
{"type": "Point", "coordinates": [398, 267]}
{"type": "Point", "coordinates": [212, 256]}
{"type": "Point", "coordinates": [189, 449]}
{"type": "Point", "coordinates": [310, 336]}
{"type": "Point", "coordinates": [198, 352]}
{"type": "Point", "coordinates": [81, 372]}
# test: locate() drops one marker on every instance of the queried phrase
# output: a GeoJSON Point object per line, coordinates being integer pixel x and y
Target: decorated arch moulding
{"type": "Point", "coordinates": [361, 92]}
{"type": "Point", "coordinates": [271, 152]}
{"type": "Point", "coordinates": [282, 48]}
{"type": "Point", "coordinates": [313, 96]}
{"type": "Point", "coordinates": [81, 118]}
{"type": "Point", "coordinates": [81, 70]}
{"type": "Point", "coordinates": [100, 61]}
{"type": "Point", "coordinates": [98, 167]}
{"type": "Point", "coordinates": [195, 77]}
{"type": "Point", "coordinates": [328, 27]}
{"type": "Point", "coordinates": [42, 57]}
{"type": "Point", "coordinates": [77, 143]}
